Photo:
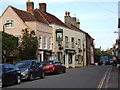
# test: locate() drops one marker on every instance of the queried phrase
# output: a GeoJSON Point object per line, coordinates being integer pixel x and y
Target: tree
{"type": "Point", "coordinates": [9, 43]}
{"type": "Point", "coordinates": [99, 53]}
{"type": "Point", "coordinates": [28, 45]}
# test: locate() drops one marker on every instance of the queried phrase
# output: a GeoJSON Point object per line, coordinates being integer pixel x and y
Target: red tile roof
{"type": "Point", "coordinates": [46, 18]}
{"type": "Point", "coordinates": [25, 16]}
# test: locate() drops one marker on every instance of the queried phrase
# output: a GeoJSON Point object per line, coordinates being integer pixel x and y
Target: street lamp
{"type": "Point", "coordinates": [5, 25]}
{"type": "Point", "coordinates": [4, 51]}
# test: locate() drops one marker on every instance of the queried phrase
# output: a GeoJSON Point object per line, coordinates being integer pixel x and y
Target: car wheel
{"type": "Point", "coordinates": [18, 80]}
{"type": "Point", "coordinates": [42, 75]}
{"type": "Point", "coordinates": [64, 71]}
{"type": "Point", "coordinates": [31, 77]}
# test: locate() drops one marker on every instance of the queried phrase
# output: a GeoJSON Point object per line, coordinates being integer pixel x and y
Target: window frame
{"type": "Point", "coordinates": [40, 40]}
{"type": "Point", "coordinates": [72, 42]}
{"type": "Point", "coordinates": [13, 23]}
{"type": "Point", "coordinates": [66, 41]}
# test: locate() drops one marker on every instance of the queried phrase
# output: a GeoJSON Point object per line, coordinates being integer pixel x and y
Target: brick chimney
{"type": "Point", "coordinates": [71, 21]}
{"type": "Point", "coordinates": [67, 18]}
{"type": "Point", "coordinates": [29, 6]}
{"type": "Point", "coordinates": [42, 7]}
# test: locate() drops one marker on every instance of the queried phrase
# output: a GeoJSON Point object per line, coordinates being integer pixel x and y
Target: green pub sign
{"type": "Point", "coordinates": [59, 34]}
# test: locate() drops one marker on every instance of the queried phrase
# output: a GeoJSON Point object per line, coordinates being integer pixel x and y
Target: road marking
{"type": "Point", "coordinates": [102, 81]}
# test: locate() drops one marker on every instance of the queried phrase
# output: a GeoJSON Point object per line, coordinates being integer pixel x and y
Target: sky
{"type": "Point", "coordinates": [99, 18]}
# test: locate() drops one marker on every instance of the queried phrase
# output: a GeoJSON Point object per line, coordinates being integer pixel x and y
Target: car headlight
{"type": "Point", "coordinates": [25, 72]}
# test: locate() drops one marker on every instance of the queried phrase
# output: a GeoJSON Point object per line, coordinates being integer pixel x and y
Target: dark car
{"type": "Point", "coordinates": [53, 66]}
{"type": "Point", "coordinates": [30, 69]}
{"type": "Point", "coordinates": [9, 74]}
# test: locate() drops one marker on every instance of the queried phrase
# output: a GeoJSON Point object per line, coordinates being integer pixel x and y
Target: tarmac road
{"type": "Point", "coordinates": [84, 77]}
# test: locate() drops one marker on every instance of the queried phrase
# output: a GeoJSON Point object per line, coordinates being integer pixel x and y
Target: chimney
{"type": "Point", "coordinates": [30, 6]}
{"type": "Point", "coordinates": [78, 23]}
{"type": "Point", "coordinates": [67, 18]}
{"type": "Point", "coordinates": [73, 21]}
{"type": "Point", "coordinates": [42, 7]}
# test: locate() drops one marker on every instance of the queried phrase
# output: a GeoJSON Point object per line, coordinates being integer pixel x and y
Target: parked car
{"type": "Point", "coordinates": [30, 69]}
{"type": "Point", "coordinates": [53, 66]}
{"type": "Point", "coordinates": [9, 74]}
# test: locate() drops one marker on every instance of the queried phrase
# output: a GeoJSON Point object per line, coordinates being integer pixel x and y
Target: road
{"type": "Point", "coordinates": [84, 77]}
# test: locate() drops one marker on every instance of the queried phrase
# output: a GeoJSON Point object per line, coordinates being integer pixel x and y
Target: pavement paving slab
{"type": "Point", "coordinates": [113, 78]}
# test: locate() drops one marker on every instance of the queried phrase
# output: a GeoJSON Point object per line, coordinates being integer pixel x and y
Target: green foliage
{"type": "Point", "coordinates": [9, 43]}
{"type": "Point", "coordinates": [99, 53]}
{"type": "Point", "coordinates": [28, 45]}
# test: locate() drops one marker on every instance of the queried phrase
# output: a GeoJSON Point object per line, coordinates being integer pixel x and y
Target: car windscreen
{"type": "Point", "coordinates": [23, 64]}
{"type": "Point", "coordinates": [47, 63]}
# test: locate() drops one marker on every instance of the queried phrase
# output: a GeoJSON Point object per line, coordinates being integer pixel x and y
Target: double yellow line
{"type": "Point", "coordinates": [103, 79]}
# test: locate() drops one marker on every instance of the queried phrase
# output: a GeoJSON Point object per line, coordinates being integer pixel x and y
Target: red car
{"type": "Point", "coordinates": [53, 66]}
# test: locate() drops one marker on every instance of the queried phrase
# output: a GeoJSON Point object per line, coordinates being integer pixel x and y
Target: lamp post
{"type": "Point", "coordinates": [5, 25]}
{"type": "Point", "coordinates": [4, 51]}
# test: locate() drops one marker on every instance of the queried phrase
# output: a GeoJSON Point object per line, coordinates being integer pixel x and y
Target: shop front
{"type": "Point", "coordinates": [44, 55]}
{"type": "Point", "coordinates": [69, 58]}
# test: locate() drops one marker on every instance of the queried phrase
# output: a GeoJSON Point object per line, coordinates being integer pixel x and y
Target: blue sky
{"type": "Point", "coordinates": [98, 18]}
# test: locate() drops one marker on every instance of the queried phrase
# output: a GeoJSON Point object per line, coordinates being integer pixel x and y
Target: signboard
{"type": "Point", "coordinates": [69, 51]}
{"type": "Point", "coordinates": [59, 34]}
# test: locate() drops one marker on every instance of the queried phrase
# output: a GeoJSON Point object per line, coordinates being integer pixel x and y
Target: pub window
{"type": "Point", "coordinates": [79, 43]}
{"type": "Point", "coordinates": [72, 42]}
{"type": "Point", "coordinates": [9, 24]}
{"type": "Point", "coordinates": [66, 41]}
{"type": "Point", "coordinates": [40, 41]}
{"type": "Point", "coordinates": [45, 42]}
{"type": "Point", "coordinates": [50, 43]}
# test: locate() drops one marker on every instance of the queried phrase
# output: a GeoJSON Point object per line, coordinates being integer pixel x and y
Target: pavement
{"type": "Point", "coordinates": [113, 78]}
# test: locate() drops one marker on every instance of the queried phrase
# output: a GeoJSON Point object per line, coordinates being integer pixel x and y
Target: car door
{"type": "Point", "coordinates": [6, 77]}
{"type": "Point", "coordinates": [57, 65]}
{"type": "Point", "coordinates": [34, 69]}
{"type": "Point", "coordinates": [38, 68]}
{"type": "Point", "coordinates": [12, 73]}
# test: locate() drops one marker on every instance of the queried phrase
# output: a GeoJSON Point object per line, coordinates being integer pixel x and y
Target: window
{"type": "Point", "coordinates": [72, 42]}
{"type": "Point", "coordinates": [9, 24]}
{"type": "Point", "coordinates": [79, 43]}
{"type": "Point", "coordinates": [40, 42]}
{"type": "Point", "coordinates": [45, 42]}
{"type": "Point", "coordinates": [66, 42]}
{"type": "Point", "coordinates": [50, 42]}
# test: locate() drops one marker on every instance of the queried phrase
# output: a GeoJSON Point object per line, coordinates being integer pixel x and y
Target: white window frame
{"type": "Point", "coordinates": [50, 43]}
{"type": "Point", "coordinates": [45, 43]}
{"type": "Point", "coordinates": [79, 43]}
{"type": "Point", "coordinates": [66, 42]}
{"type": "Point", "coordinates": [7, 26]}
{"type": "Point", "coordinates": [40, 41]}
{"type": "Point", "coordinates": [73, 43]}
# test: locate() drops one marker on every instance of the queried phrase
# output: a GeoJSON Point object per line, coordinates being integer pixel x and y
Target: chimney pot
{"type": "Point", "coordinates": [42, 7]}
{"type": "Point", "coordinates": [68, 13]}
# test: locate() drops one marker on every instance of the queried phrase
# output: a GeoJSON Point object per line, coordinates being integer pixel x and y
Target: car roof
{"type": "Point", "coordinates": [28, 60]}
{"type": "Point", "coordinates": [50, 61]}
{"type": "Point", "coordinates": [6, 64]}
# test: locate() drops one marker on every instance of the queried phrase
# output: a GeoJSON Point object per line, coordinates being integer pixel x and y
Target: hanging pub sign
{"type": "Point", "coordinates": [59, 34]}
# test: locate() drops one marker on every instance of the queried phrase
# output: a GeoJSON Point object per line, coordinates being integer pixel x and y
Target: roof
{"type": "Point", "coordinates": [25, 16]}
{"type": "Point", "coordinates": [45, 18]}
{"type": "Point", "coordinates": [48, 18]}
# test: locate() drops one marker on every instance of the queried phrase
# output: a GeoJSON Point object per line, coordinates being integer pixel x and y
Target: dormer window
{"type": "Point", "coordinates": [10, 24]}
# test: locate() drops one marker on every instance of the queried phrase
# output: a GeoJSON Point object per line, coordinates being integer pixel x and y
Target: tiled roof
{"type": "Point", "coordinates": [46, 18]}
{"type": "Point", "coordinates": [25, 16]}
{"type": "Point", "coordinates": [49, 18]}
